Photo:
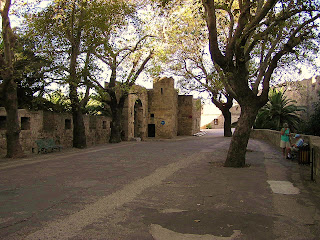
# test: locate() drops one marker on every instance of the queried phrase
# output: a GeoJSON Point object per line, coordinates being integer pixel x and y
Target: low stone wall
{"type": "Point", "coordinates": [58, 126]}
{"type": "Point", "coordinates": [273, 137]}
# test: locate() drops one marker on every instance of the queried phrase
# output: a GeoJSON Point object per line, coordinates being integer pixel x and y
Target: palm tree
{"type": "Point", "coordinates": [278, 110]}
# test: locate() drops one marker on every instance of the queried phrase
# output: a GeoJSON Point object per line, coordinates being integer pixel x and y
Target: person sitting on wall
{"type": "Point", "coordinates": [295, 147]}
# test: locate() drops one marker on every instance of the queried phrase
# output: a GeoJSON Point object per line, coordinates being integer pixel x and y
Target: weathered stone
{"type": "Point", "coordinates": [305, 92]}
{"type": "Point", "coordinates": [41, 124]}
{"type": "Point", "coordinates": [160, 112]}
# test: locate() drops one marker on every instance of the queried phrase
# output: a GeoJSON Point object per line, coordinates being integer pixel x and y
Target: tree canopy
{"type": "Point", "coordinates": [69, 33]}
{"type": "Point", "coordinates": [248, 41]}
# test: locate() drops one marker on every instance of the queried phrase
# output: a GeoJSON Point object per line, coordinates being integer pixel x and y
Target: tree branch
{"type": "Point", "coordinates": [130, 49]}
{"type": "Point", "coordinates": [257, 19]}
{"type": "Point", "coordinates": [136, 75]}
{"type": "Point", "coordinates": [264, 63]}
{"type": "Point", "coordinates": [85, 73]}
{"type": "Point", "coordinates": [292, 42]}
{"type": "Point", "coordinates": [211, 20]}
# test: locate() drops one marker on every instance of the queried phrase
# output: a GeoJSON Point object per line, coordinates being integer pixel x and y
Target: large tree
{"type": "Point", "coordinates": [261, 34]}
{"type": "Point", "coordinates": [67, 31]}
{"type": "Point", "coordinates": [9, 86]}
{"type": "Point", "coordinates": [248, 41]}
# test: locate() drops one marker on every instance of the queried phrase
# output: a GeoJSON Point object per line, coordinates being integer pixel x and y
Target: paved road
{"type": "Point", "coordinates": [173, 189]}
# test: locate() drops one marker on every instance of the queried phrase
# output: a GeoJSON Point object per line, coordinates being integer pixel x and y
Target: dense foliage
{"type": "Point", "coordinates": [278, 110]}
{"type": "Point", "coordinates": [29, 74]}
{"type": "Point", "coordinates": [312, 127]}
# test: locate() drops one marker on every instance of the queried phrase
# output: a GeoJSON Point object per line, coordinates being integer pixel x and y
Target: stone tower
{"type": "Point", "coordinates": [163, 102]}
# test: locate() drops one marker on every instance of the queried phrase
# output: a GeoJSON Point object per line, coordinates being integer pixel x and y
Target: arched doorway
{"type": "Point", "coordinates": [138, 118]}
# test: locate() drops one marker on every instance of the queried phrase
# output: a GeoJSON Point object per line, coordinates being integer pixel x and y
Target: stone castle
{"type": "Point", "coordinates": [148, 113]}
{"type": "Point", "coordinates": [160, 112]}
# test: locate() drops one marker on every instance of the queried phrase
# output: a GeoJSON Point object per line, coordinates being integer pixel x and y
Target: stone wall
{"type": "Point", "coordinates": [196, 115]}
{"type": "Point", "coordinates": [273, 137]}
{"type": "Point", "coordinates": [162, 108]}
{"type": "Point", "coordinates": [189, 115]}
{"type": "Point", "coordinates": [185, 115]}
{"type": "Point", "coordinates": [305, 92]}
{"type": "Point", "coordinates": [159, 112]}
{"type": "Point", "coordinates": [135, 114]}
{"type": "Point", "coordinates": [97, 129]}
{"type": "Point", "coordinates": [40, 124]}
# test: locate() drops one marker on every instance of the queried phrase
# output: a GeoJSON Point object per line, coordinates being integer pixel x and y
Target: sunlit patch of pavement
{"type": "Point", "coordinates": [160, 233]}
{"type": "Point", "coordinates": [283, 187]}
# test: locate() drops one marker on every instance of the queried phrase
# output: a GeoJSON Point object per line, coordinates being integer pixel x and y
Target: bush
{"type": "Point", "coordinates": [277, 111]}
{"type": "Point", "coordinates": [312, 127]}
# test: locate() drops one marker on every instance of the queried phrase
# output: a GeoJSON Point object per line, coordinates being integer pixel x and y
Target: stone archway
{"type": "Point", "coordinates": [138, 118]}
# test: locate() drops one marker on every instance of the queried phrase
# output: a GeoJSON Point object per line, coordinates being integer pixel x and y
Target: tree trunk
{"type": "Point", "coordinates": [227, 123]}
{"type": "Point", "coordinates": [237, 151]}
{"type": "Point", "coordinates": [79, 133]}
{"type": "Point", "coordinates": [225, 109]}
{"type": "Point", "coordinates": [116, 128]}
{"type": "Point", "coordinates": [116, 110]}
{"type": "Point", "coordinates": [14, 148]}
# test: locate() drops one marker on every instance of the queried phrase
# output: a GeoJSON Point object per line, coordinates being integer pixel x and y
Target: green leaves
{"type": "Point", "coordinates": [312, 125]}
{"type": "Point", "coordinates": [277, 111]}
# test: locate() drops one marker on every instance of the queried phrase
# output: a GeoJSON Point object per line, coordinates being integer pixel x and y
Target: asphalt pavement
{"type": "Point", "coordinates": [173, 189]}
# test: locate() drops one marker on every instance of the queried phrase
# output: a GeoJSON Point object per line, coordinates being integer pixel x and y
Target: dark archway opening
{"type": "Point", "coordinates": [138, 117]}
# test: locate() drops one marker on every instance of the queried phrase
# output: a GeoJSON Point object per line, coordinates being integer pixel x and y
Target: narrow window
{"type": "Point", "coordinates": [104, 124]}
{"type": "Point", "coordinates": [216, 122]}
{"type": "Point", "coordinates": [161, 90]}
{"type": "Point", "coordinates": [67, 123]}
{"type": "Point", "coordinates": [3, 122]}
{"type": "Point", "coordinates": [25, 123]}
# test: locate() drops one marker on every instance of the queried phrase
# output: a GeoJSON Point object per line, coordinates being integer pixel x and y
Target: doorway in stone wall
{"type": "Point", "coordinates": [151, 130]}
{"type": "Point", "coordinates": [138, 117]}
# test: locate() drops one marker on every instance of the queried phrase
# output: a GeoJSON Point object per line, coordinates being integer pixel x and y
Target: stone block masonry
{"type": "Point", "coordinates": [154, 113]}
{"type": "Point", "coordinates": [160, 112]}
{"type": "Point", "coordinates": [163, 108]}
{"type": "Point", "coordinates": [185, 115]}
{"type": "Point", "coordinates": [41, 124]}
